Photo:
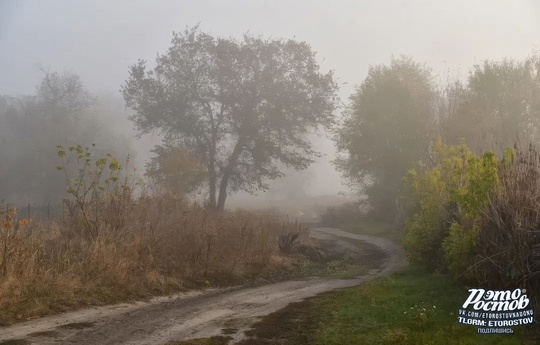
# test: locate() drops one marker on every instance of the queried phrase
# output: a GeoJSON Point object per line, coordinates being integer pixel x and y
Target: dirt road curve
{"type": "Point", "coordinates": [191, 315]}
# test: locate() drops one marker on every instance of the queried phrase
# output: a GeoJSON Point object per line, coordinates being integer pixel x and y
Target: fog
{"type": "Point", "coordinates": [99, 40]}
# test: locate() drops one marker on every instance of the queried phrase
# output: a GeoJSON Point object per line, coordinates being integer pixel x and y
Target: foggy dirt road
{"type": "Point", "coordinates": [194, 314]}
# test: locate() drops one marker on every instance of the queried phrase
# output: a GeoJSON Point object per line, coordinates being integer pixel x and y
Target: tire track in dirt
{"type": "Point", "coordinates": [195, 314]}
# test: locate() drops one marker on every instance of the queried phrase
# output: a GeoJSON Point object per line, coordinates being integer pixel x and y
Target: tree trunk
{"type": "Point", "coordinates": [227, 173]}
{"type": "Point", "coordinates": [212, 183]}
{"type": "Point", "coordinates": [212, 175]}
{"type": "Point", "coordinates": [222, 193]}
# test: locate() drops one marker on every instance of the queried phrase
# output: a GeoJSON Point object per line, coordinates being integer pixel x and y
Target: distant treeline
{"type": "Point", "coordinates": [61, 111]}
{"type": "Point", "coordinates": [397, 113]}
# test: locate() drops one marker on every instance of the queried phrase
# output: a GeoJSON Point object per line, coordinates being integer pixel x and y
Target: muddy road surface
{"type": "Point", "coordinates": [195, 314]}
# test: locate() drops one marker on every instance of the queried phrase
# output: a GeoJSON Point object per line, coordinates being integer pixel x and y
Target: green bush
{"type": "Point", "coordinates": [426, 227]}
{"type": "Point", "coordinates": [460, 249]}
{"type": "Point", "coordinates": [443, 207]}
{"type": "Point", "coordinates": [477, 218]}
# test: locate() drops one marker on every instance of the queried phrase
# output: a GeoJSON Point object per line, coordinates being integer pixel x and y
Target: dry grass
{"type": "Point", "coordinates": [152, 246]}
{"type": "Point", "coordinates": [508, 250]}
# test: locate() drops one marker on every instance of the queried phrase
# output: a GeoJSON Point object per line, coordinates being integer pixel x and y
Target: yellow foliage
{"type": "Point", "coordinates": [445, 202]}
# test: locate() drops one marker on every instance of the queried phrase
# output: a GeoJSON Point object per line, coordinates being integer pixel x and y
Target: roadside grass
{"type": "Point", "coordinates": [411, 307]}
{"type": "Point", "coordinates": [158, 246]}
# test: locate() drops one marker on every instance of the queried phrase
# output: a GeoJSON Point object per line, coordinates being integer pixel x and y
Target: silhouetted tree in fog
{"type": "Point", "coordinates": [32, 126]}
{"type": "Point", "coordinates": [242, 106]}
{"type": "Point", "coordinates": [388, 125]}
{"type": "Point", "coordinates": [499, 105]}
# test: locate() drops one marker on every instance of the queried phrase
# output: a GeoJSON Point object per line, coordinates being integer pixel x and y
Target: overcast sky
{"type": "Point", "coordinates": [99, 39]}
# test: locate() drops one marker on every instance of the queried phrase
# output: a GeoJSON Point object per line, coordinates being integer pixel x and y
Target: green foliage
{"type": "Point", "coordinates": [482, 180]}
{"type": "Point", "coordinates": [426, 227]}
{"type": "Point", "coordinates": [509, 156]}
{"type": "Point", "coordinates": [472, 199]}
{"type": "Point", "coordinates": [476, 217]}
{"type": "Point", "coordinates": [388, 125]}
{"type": "Point", "coordinates": [427, 197]}
{"type": "Point", "coordinates": [444, 206]}
{"type": "Point", "coordinates": [460, 249]}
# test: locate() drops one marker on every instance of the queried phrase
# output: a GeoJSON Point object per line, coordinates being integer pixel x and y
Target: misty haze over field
{"type": "Point", "coordinates": [286, 148]}
{"type": "Point", "coordinates": [99, 40]}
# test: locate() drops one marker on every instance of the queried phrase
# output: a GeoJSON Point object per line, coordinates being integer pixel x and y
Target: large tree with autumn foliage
{"type": "Point", "coordinates": [244, 107]}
